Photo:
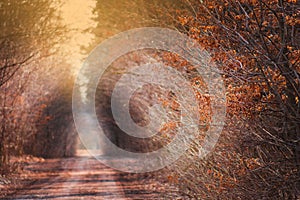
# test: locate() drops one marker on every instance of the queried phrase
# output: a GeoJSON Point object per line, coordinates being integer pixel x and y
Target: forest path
{"type": "Point", "coordinates": [84, 177]}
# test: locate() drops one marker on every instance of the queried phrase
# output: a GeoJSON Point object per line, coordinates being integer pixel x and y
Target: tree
{"type": "Point", "coordinates": [256, 44]}
{"type": "Point", "coordinates": [29, 31]}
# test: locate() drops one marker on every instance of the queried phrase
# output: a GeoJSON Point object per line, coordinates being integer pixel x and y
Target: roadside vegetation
{"type": "Point", "coordinates": [255, 45]}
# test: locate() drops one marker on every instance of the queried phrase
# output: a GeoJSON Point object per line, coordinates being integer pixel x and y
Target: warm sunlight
{"type": "Point", "coordinates": [78, 16]}
{"type": "Point", "coordinates": [140, 99]}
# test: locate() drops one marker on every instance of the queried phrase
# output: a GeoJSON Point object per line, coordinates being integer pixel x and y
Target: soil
{"type": "Point", "coordinates": [82, 177]}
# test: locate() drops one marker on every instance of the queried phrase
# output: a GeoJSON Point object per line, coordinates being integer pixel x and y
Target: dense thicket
{"type": "Point", "coordinates": [256, 44]}
{"type": "Point", "coordinates": [30, 77]}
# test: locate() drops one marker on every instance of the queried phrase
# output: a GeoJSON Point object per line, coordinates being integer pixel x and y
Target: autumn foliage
{"type": "Point", "coordinates": [256, 45]}
{"type": "Point", "coordinates": [30, 82]}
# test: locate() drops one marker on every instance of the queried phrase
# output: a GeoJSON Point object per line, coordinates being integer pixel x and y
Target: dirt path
{"type": "Point", "coordinates": [84, 177]}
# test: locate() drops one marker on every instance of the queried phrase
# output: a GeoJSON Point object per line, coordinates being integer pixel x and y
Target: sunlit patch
{"type": "Point", "coordinates": [77, 15]}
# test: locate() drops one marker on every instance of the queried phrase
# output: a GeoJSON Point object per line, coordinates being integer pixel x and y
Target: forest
{"type": "Point", "coordinates": [254, 45]}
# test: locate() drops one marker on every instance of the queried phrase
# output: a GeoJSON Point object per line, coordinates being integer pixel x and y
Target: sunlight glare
{"type": "Point", "coordinates": [78, 16]}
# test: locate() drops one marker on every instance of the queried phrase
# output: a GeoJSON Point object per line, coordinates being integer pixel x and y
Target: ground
{"type": "Point", "coordinates": [82, 177]}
